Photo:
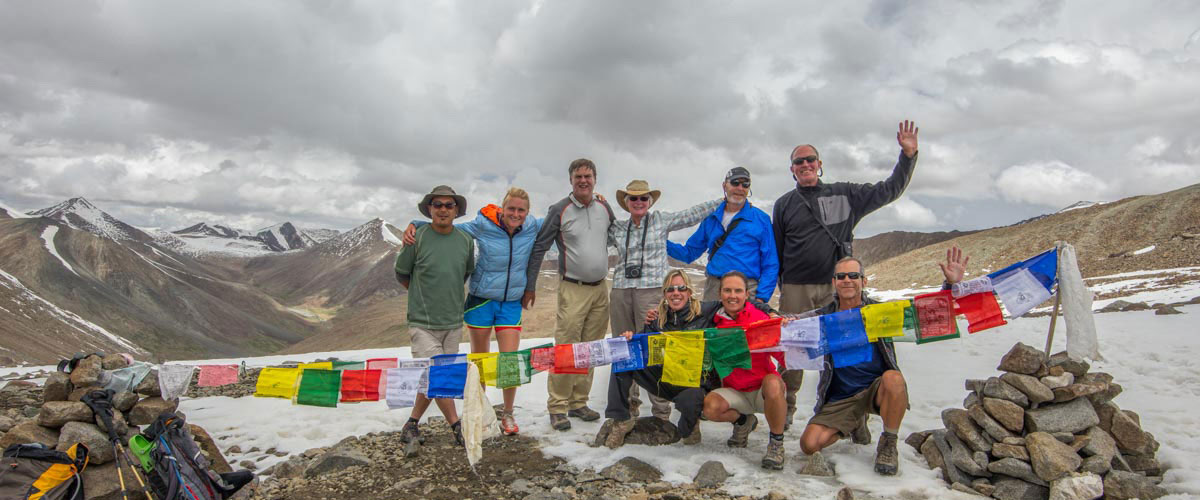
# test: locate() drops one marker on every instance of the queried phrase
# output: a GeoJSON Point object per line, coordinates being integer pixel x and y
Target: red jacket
{"type": "Point", "coordinates": [742, 379]}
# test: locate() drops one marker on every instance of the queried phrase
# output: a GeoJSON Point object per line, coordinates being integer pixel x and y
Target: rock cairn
{"type": "Point", "coordinates": [58, 419]}
{"type": "Point", "coordinates": [1045, 428]}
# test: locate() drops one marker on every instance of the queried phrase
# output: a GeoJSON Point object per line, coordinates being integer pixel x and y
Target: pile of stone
{"type": "Point", "coordinates": [60, 420]}
{"type": "Point", "coordinates": [1045, 428]}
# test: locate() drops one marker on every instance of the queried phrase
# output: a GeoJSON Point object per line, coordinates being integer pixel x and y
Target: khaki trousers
{"type": "Point", "coordinates": [582, 316]}
{"type": "Point", "coordinates": [712, 288]}
{"type": "Point", "coordinates": [627, 312]}
{"type": "Point", "coordinates": [795, 299]}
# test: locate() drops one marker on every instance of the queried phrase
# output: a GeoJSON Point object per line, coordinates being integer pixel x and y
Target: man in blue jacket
{"type": "Point", "coordinates": [738, 237]}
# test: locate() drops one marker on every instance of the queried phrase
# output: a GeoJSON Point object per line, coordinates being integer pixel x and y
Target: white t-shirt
{"type": "Point", "coordinates": [727, 218]}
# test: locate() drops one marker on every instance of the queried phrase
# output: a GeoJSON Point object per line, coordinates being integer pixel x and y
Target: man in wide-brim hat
{"type": "Point", "coordinates": [433, 270]}
{"type": "Point", "coordinates": [641, 242]}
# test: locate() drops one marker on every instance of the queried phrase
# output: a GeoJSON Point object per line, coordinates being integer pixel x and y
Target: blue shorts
{"type": "Point", "coordinates": [488, 313]}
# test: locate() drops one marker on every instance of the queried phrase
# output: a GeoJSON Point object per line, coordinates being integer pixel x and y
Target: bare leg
{"type": "Point", "coordinates": [773, 390]}
{"type": "Point", "coordinates": [892, 399]}
{"type": "Point", "coordinates": [419, 406]}
{"type": "Point", "coordinates": [817, 437]}
{"type": "Point", "coordinates": [446, 405]}
{"type": "Point", "coordinates": [716, 409]}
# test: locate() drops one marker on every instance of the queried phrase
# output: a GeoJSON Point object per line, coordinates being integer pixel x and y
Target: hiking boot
{"type": "Point", "coordinates": [584, 413]}
{"type": "Point", "coordinates": [694, 437]}
{"type": "Point", "coordinates": [458, 437]}
{"type": "Point", "coordinates": [616, 435]}
{"type": "Point", "coordinates": [559, 422]}
{"type": "Point", "coordinates": [508, 424]}
{"type": "Point", "coordinates": [861, 434]}
{"type": "Point", "coordinates": [774, 458]}
{"type": "Point", "coordinates": [742, 432]}
{"type": "Point", "coordinates": [886, 460]}
{"type": "Point", "coordinates": [816, 466]}
{"type": "Point", "coordinates": [409, 431]}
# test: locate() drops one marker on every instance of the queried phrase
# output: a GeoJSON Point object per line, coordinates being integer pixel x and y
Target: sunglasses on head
{"type": "Point", "coordinates": [842, 276]}
{"type": "Point", "coordinates": [442, 204]}
{"type": "Point", "coordinates": [740, 183]}
{"type": "Point", "coordinates": [639, 198]}
{"type": "Point", "coordinates": [800, 160]}
{"type": "Point", "coordinates": [677, 288]}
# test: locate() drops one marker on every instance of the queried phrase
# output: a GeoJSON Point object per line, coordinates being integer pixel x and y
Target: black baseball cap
{"type": "Point", "coordinates": [737, 173]}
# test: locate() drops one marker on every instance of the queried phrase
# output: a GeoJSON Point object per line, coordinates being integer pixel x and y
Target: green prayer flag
{"type": "Point", "coordinates": [349, 365]}
{"type": "Point", "coordinates": [319, 388]}
{"type": "Point", "coordinates": [513, 369]}
{"type": "Point", "coordinates": [727, 349]}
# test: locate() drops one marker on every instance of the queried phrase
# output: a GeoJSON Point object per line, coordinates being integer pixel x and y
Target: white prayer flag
{"type": "Point", "coordinates": [971, 287]}
{"type": "Point", "coordinates": [478, 418]}
{"type": "Point", "coordinates": [618, 349]}
{"type": "Point", "coordinates": [583, 355]}
{"type": "Point", "coordinates": [403, 384]}
{"type": "Point", "coordinates": [173, 380]}
{"type": "Point", "coordinates": [805, 332]}
{"type": "Point", "coordinates": [599, 353]}
{"type": "Point", "coordinates": [797, 358]}
{"type": "Point", "coordinates": [1020, 292]}
{"type": "Point", "coordinates": [1077, 308]}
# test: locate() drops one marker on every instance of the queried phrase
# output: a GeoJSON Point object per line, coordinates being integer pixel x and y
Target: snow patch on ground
{"type": "Point", "coordinates": [14, 213]}
{"type": "Point", "coordinates": [389, 236]}
{"type": "Point", "coordinates": [67, 317]}
{"type": "Point", "coordinates": [1144, 250]}
{"type": "Point", "coordinates": [48, 239]}
{"type": "Point", "coordinates": [1153, 357]}
{"type": "Point", "coordinates": [302, 312]}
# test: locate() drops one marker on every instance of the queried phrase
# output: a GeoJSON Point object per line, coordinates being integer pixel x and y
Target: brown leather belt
{"type": "Point", "coordinates": [584, 283]}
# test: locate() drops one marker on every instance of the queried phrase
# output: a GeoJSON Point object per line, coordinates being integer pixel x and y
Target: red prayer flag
{"type": "Point", "coordinates": [564, 361]}
{"type": "Point", "coordinates": [982, 311]}
{"type": "Point", "coordinates": [382, 363]}
{"type": "Point", "coordinates": [763, 334]}
{"type": "Point", "coordinates": [216, 375]}
{"type": "Point", "coordinates": [542, 359]}
{"type": "Point", "coordinates": [935, 314]}
{"type": "Point", "coordinates": [360, 385]}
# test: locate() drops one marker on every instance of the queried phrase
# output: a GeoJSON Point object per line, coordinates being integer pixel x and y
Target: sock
{"type": "Point", "coordinates": [891, 431]}
{"type": "Point", "coordinates": [741, 420]}
{"type": "Point", "coordinates": [776, 437]}
{"type": "Point", "coordinates": [413, 420]}
{"type": "Point", "coordinates": [456, 425]}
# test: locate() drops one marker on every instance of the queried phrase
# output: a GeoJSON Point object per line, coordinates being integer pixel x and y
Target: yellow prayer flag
{"type": "Point", "coordinates": [488, 365]}
{"type": "Point", "coordinates": [683, 359]}
{"type": "Point", "coordinates": [277, 383]}
{"type": "Point", "coordinates": [885, 319]}
{"type": "Point", "coordinates": [656, 343]}
{"type": "Point", "coordinates": [324, 365]}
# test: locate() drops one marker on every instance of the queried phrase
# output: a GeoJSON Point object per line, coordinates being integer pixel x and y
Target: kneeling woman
{"type": "Point", "coordinates": [679, 310]}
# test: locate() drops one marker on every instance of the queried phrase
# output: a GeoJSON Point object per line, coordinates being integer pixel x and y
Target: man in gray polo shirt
{"type": "Point", "coordinates": [578, 225]}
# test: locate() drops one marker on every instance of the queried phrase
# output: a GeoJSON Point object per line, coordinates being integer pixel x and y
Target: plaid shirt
{"type": "Point", "coordinates": [654, 255]}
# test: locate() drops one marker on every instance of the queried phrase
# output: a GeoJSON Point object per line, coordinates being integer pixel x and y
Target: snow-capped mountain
{"type": "Point", "coordinates": [204, 238]}
{"type": "Point", "coordinates": [80, 214]}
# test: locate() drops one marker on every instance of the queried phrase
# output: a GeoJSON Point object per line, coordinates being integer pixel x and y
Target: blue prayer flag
{"type": "Point", "coordinates": [853, 355]}
{"type": "Point", "coordinates": [639, 354]}
{"type": "Point", "coordinates": [448, 359]}
{"type": "Point", "coordinates": [1043, 266]}
{"type": "Point", "coordinates": [447, 381]}
{"type": "Point", "coordinates": [843, 329]}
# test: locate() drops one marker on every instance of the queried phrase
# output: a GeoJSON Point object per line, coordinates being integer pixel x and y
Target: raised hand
{"type": "Point", "coordinates": [907, 138]}
{"type": "Point", "coordinates": [955, 266]}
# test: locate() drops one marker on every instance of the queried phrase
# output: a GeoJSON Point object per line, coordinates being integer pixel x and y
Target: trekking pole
{"type": "Point", "coordinates": [136, 473]}
{"type": "Point", "coordinates": [120, 475]}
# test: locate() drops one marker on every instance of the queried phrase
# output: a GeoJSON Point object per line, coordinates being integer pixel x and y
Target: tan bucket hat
{"type": "Point", "coordinates": [459, 202]}
{"type": "Point", "coordinates": [636, 187]}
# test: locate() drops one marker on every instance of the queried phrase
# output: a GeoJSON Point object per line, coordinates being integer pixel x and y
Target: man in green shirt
{"type": "Point", "coordinates": [434, 271]}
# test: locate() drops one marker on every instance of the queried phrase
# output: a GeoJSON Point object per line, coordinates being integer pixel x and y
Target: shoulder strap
{"type": "Point", "coordinates": [836, 242]}
{"type": "Point", "coordinates": [721, 240]}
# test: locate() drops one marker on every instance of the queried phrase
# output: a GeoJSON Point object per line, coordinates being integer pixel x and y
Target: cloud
{"type": "Point", "coordinates": [1049, 184]}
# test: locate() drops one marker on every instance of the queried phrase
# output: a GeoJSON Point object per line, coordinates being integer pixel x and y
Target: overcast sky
{"type": "Point", "coordinates": [328, 114]}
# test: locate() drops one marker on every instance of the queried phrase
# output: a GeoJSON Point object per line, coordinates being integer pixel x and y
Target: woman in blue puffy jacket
{"type": "Point", "coordinates": [504, 237]}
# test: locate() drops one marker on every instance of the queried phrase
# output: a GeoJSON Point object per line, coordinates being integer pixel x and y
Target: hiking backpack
{"type": "Point", "coordinates": [175, 467]}
{"type": "Point", "coordinates": [33, 471]}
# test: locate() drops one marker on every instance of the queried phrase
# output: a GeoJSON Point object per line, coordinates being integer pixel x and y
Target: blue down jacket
{"type": "Point", "coordinates": [500, 266]}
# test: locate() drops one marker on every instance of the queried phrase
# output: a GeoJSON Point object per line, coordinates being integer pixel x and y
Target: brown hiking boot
{"type": "Point", "coordinates": [741, 433]}
{"type": "Point", "coordinates": [861, 434]}
{"type": "Point", "coordinates": [774, 458]}
{"type": "Point", "coordinates": [559, 422]}
{"type": "Point", "coordinates": [620, 429]}
{"type": "Point", "coordinates": [584, 413]}
{"type": "Point", "coordinates": [694, 437]}
{"type": "Point", "coordinates": [886, 460]}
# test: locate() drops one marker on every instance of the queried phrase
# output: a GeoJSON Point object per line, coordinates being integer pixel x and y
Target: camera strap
{"type": "Point", "coordinates": [642, 252]}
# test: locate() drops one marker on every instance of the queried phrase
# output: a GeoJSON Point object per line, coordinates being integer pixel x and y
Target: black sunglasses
{"type": "Point", "coordinates": [638, 198]}
{"type": "Point", "coordinates": [442, 204]}
{"type": "Point", "coordinates": [842, 276]}
{"type": "Point", "coordinates": [801, 159]}
{"type": "Point", "coordinates": [677, 288]}
{"type": "Point", "coordinates": [740, 183]}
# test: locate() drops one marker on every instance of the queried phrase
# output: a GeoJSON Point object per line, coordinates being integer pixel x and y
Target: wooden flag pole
{"type": "Point", "coordinates": [1057, 295]}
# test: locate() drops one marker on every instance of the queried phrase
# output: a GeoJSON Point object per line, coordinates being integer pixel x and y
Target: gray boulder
{"type": "Point", "coordinates": [963, 458]}
{"type": "Point", "coordinates": [1085, 486]}
{"type": "Point", "coordinates": [1144, 464]}
{"type": "Point", "coordinates": [149, 385]}
{"type": "Point", "coordinates": [148, 410]}
{"type": "Point", "coordinates": [1051, 459]}
{"type": "Point", "coordinates": [336, 459]}
{"type": "Point", "coordinates": [57, 413]}
{"type": "Point", "coordinates": [1096, 464]}
{"type": "Point", "coordinates": [1076, 367]}
{"type": "Point", "coordinates": [996, 388]}
{"type": "Point", "coordinates": [113, 362]}
{"type": "Point", "coordinates": [1077, 390]}
{"type": "Point", "coordinates": [949, 470]}
{"type": "Point", "coordinates": [6, 423]}
{"type": "Point", "coordinates": [1007, 413]}
{"type": "Point", "coordinates": [1018, 469]}
{"type": "Point", "coordinates": [1055, 381]}
{"type": "Point", "coordinates": [124, 401]}
{"type": "Point", "coordinates": [933, 456]}
{"type": "Point", "coordinates": [1113, 390]}
{"type": "Point", "coordinates": [1002, 450]}
{"type": "Point", "coordinates": [1022, 359]}
{"type": "Point", "coordinates": [29, 432]}
{"type": "Point", "coordinates": [1121, 485]}
{"type": "Point", "coordinates": [652, 431]}
{"type": "Point", "coordinates": [1010, 488]}
{"type": "Point", "coordinates": [100, 450]}
{"type": "Point", "coordinates": [100, 482]}
{"type": "Point", "coordinates": [1034, 389]}
{"type": "Point", "coordinates": [987, 423]}
{"type": "Point", "coordinates": [711, 475]}
{"type": "Point", "coordinates": [1072, 416]}
{"type": "Point", "coordinates": [57, 388]}
{"type": "Point", "coordinates": [631, 470]}
{"type": "Point", "coordinates": [86, 372]}
{"type": "Point", "coordinates": [959, 422]}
